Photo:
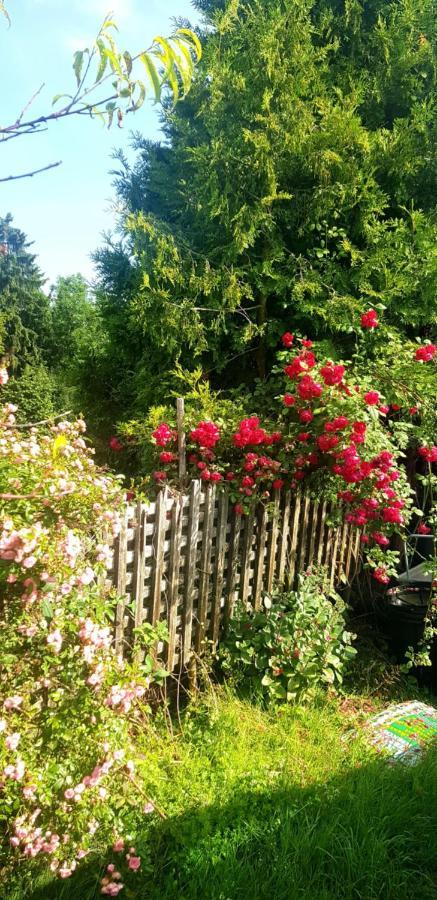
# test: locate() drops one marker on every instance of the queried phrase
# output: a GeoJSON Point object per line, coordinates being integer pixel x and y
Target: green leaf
{"type": "Point", "coordinates": [113, 61]}
{"type": "Point", "coordinates": [128, 61]}
{"type": "Point", "coordinates": [47, 609]}
{"type": "Point", "coordinates": [103, 60]}
{"type": "Point", "coordinates": [78, 64]}
{"type": "Point", "coordinates": [192, 40]}
{"type": "Point", "coordinates": [152, 74]}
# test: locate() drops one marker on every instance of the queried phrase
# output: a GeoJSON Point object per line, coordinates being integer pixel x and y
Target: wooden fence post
{"type": "Point", "coordinates": [180, 417]}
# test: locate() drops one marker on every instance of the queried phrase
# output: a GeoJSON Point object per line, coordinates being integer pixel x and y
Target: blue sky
{"type": "Point", "coordinates": [65, 211]}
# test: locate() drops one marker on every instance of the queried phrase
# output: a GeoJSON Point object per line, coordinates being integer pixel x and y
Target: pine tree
{"type": "Point", "coordinates": [25, 322]}
{"type": "Point", "coordinates": [296, 187]}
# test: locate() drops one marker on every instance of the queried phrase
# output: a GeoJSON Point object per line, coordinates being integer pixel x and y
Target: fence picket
{"type": "Point", "coordinates": [273, 542]}
{"type": "Point", "coordinates": [259, 555]}
{"type": "Point", "coordinates": [173, 581]}
{"type": "Point", "coordinates": [205, 565]}
{"type": "Point", "coordinates": [190, 570]}
{"type": "Point", "coordinates": [234, 545]}
{"type": "Point", "coordinates": [158, 555]}
{"type": "Point", "coordinates": [219, 565]}
{"type": "Point", "coordinates": [294, 540]}
{"type": "Point", "coordinates": [120, 572]}
{"type": "Point", "coordinates": [285, 531]}
{"type": "Point", "coordinates": [245, 562]}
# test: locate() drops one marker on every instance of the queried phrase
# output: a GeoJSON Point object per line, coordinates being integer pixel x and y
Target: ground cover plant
{"type": "Point", "coordinates": [252, 802]}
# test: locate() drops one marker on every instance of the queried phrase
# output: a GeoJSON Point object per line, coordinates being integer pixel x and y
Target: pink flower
{"type": "Point", "coordinates": [54, 640]}
{"type": "Point", "coordinates": [13, 702]}
{"type": "Point", "coordinates": [69, 794]}
{"type": "Point", "coordinates": [4, 377]}
{"type": "Point", "coordinates": [370, 319]}
{"type": "Point", "coordinates": [148, 808]}
{"type": "Point", "coordinates": [134, 863]}
{"type": "Point", "coordinates": [13, 740]}
{"type": "Point", "coordinates": [87, 576]}
{"type": "Point", "coordinates": [65, 872]}
{"type": "Point", "coordinates": [130, 766]}
{"type": "Point", "coordinates": [118, 845]}
{"type": "Point", "coordinates": [29, 562]}
{"type": "Point", "coordinates": [163, 435]}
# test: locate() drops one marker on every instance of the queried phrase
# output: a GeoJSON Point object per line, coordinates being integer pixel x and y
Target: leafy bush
{"type": "Point", "coordinates": [294, 643]}
{"type": "Point", "coordinates": [68, 704]}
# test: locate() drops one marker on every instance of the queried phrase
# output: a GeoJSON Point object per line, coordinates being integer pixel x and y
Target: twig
{"type": "Point", "coordinates": [19, 496]}
{"type": "Point", "coordinates": [43, 421]}
{"type": "Point", "coordinates": [31, 174]}
{"type": "Point", "coordinates": [29, 103]}
{"type": "Point", "coordinates": [145, 797]}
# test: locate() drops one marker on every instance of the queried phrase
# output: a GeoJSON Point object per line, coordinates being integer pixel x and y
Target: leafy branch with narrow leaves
{"type": "Point", "coordinates": [110, 83]}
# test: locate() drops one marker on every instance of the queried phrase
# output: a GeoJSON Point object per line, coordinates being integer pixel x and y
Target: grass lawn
{"type": "Point", "coordinates": [272, 805]}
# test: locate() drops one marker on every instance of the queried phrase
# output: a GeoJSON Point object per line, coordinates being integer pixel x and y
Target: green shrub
{"type": "Point", "coordinates": [295, 643]}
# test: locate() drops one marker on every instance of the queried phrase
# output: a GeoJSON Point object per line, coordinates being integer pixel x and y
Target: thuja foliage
{"type": "Point", "coordinates": [297, 182]}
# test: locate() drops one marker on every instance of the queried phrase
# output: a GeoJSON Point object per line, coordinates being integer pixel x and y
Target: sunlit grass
{"type": "Point", "coordinates": [270, 806]}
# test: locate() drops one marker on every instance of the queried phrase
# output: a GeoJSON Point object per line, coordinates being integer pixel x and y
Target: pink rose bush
{"type": "Point", "coordinates": [67, 702]}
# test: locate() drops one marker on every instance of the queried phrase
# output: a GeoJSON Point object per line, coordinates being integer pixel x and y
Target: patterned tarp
{"type": "Point", "coordinates": [403, 731]}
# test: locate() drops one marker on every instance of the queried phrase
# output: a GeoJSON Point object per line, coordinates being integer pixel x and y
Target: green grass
{"type": "Point", "coordinates": [272, 806]}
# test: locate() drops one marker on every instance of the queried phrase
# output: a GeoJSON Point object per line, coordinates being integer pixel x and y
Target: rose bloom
{"type": "Point", "coordinates": [370, 319]}
{"type": "Point", "coordinates": [425, 353]}
{"type": "Point", "coordinates": [372, 398]}
{"type": "Point", "coordinates": [287, 339]}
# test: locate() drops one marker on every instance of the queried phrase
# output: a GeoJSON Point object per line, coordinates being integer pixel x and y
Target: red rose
{"type": "Point", "coordinates": [287, 339]}
{"type": "Point", "coordinates": [425, 353]}
{"type": "Point", "coordinates": [115, 445]}
{"type": "Point", "coordinates": [370, 319]}
{"type": "Point", "coordinates": [289, 400]}
{"type": "Point", "coordinates": [372, 398]}
{"type": "Point", "coordinates": [332, 374]}
{"type": "Point", "coordinates": [381, 575]}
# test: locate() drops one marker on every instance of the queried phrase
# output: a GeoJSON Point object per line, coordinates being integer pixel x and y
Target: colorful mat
{"type": "Point", "coordinates": [403, 731]}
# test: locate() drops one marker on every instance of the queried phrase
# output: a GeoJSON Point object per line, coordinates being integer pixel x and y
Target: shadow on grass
{"type": "Point", "coordinates": [370, 834]}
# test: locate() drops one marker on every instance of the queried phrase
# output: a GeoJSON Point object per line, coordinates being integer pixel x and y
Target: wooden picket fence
{"type": "Point", "coordinates": [187, 557]}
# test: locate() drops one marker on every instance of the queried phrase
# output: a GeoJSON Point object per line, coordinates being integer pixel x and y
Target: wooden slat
{"type": "Point", "coordinates": [345, 533]}
{"type": "Point", "coordinates": [350, 550]}
{"type": "Point", "coordinates": [120, 551]}
{"type": "Point", "coordinates": [158, 555]}
{"type": "Point", "coordinates": [273, 542]}
{"type": "Point", "coordinates": [173, 581]}
{"type": "Point", "coordinates": [138, 566]}
{"type": "Point", "coordinates": [205, 565]}
{"type": "Point", "coordinates": [249, 523]}
{"type": "Point", "coordinates": [303, 535]}
{"type": "Point", "coordinates": [313, 530]}
{"type": "Point", "coordinates": [219, 565]}
{"type": "Point", "coordinates": [333, 562]}
{"type": "Point", "coordinates": [190, 567]}
{"type": "Point", "coordinates": [293, 543]}
{"type": "Point", "coordinates": [322, 534]}
{"type": "Point", "coordinates": [285, 531]}
{"type": "Point", "coordinates": [259, 556]}
{"type": "Point", "coordinates": [233, 559]}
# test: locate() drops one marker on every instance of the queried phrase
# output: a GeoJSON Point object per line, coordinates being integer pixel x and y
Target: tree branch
{"type": "Point", "coordinates": [31, 174]}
